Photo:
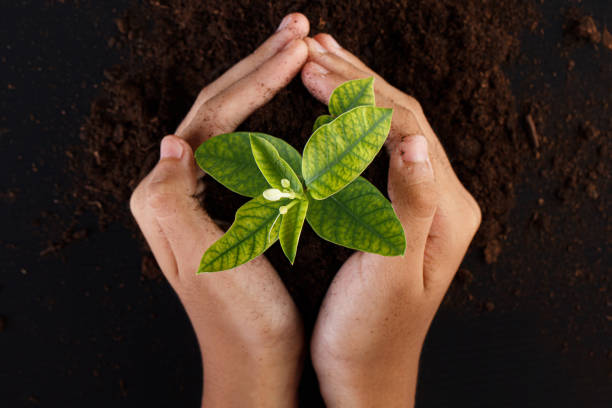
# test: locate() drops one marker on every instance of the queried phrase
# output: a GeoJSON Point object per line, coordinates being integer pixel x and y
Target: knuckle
{"type": "Point", "coordinates": [204, 94]}
{"type": "Point", "coordinates": [137, 201]}
{"type": "Point", "coordinates": [424, 200]}
{"type": "Point", "coordinates": [468, 219]}
{"type": "Point", "coordinates": [474, 213]}
{"type": "Point", "coordinates": [159, 198]}
{"type": "Point", "coordinates": [209, 121]}
{"type": "Point", "coordinates": [413, 104]}
{"type": "Point", "coordinates": [213, 120]}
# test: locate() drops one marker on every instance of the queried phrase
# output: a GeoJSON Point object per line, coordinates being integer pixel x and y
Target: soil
{"type": "Point", "coordinates": [582, 27]}
{"type": "Point", "coordinates": [453, 56]}
{"type": "Point", "coordinates": [450, 55]}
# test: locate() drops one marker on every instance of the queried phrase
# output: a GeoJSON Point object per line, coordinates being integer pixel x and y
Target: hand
{"type": "Point", "coordinates": [374, 318]}
{"type": "Point", "coordinates": [248, 327]}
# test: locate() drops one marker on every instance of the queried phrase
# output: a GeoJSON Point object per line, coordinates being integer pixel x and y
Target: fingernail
{"type": "Point", "coordinates": [284, 23]}
{"type": "Point", "coordinates": [317, 47]}
{"type": "Point", "coordinates": [318, 68]}
{"type": "Point", "coordinates": [414, 149]}
{"type": "Point", "coordinates": [170, 149]}
{"type": "Point", "coordinates": [333, 42]}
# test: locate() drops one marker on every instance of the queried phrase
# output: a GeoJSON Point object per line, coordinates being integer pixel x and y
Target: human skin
{"type": "Point", "coordinates": [376, 313]}
{"type": "Point", "coordinates": [248, 328]}
{"type": "Point", "coordinates": [370, 330]}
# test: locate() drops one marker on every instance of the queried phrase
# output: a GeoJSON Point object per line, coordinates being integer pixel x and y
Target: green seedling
{"type": "Point", "coordinates": [323, 187]}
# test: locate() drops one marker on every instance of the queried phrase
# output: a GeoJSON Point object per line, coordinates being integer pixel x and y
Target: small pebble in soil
{"type": "Point", "coordinates": [584, 28]}
{"type": "Point", "coordinates": [591, 190]}
{"type": "Point", "coordinates": [492, 251]}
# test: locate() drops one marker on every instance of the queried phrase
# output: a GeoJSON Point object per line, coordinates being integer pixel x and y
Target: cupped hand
{"type": "Point", "coordinates": [374, 318]}
{"type": "Point", "coordinates": [248, 327]}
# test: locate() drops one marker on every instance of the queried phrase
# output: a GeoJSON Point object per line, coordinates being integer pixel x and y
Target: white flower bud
{"type": "Point", "coordinates": [272, 194]}
{"type": "Point", "coordinates": [285, 183]}
{"type": "Point", "coordinates": [283, 209]}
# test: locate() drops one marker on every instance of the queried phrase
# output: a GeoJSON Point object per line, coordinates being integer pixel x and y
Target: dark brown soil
{"type": "Point", "coordinates": [582, 27]}
{"type": "Point", "coordinates": [448, 54]}
{"type": "Point", "coordinates": [451, 55]}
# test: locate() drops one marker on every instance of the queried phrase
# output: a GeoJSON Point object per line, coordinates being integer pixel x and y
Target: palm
{"type": "Point", "coordinates": [370, 296]}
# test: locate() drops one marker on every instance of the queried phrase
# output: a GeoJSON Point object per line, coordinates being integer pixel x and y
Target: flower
{"type": "Point", "coordinates": [274, 194]}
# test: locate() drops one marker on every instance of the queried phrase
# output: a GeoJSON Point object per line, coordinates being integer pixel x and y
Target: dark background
{"type": "Point", "coordinates": [83, 327]}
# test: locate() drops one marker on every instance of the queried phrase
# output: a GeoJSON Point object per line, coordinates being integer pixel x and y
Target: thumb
{"type": "Point", "coordinates": [170, 198]}
{"type": "Point", "coordinates": [412, 190]}
{"type": "Point", "coordinates": [174, 179]}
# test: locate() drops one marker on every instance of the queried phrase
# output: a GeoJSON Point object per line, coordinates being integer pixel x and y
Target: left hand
{"type": "Point", "coordinates": [374, 318]}
{"type": "Point", "coordinates": [248, 327]}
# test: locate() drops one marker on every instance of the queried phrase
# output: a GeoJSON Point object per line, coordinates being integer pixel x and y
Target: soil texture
{"type": "Point", "coordinates": [449, 55]}
{"type": "Point", "coordinates": [453, 56]}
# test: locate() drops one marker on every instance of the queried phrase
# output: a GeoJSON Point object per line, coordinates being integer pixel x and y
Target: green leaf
{"type": "Point", "coordinates": [229, 160]}
{"type": "Point", "coordinates": [358, 217]}
{"type": "Point", "coordinates": [349, 95]}
{"type": "Point", "coordinates": [272, 166]}
{"type": "Point", "coordinates": [291, 228]}
{"type": "Point", "coordinates": [322, 120]}
{"type": "Point", "coordinates": [340, 151]}
{"type": "Point", "coordinates": [254, 230]}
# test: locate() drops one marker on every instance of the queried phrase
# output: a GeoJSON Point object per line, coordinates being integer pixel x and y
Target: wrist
{"type": "Point", "coordinates": [373, 388]}
{"type": "Point", "coordinates": [253, 374]}
{"type": "Point", "coordinates": [386, 381]}
{"type": "Point", "coordinates": [251, 384]}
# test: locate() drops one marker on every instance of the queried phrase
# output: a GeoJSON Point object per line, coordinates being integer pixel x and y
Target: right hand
{"type": "Point", "coordinates": [374, 318]}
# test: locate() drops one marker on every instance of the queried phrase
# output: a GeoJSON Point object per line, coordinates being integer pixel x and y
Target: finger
{"type": "Point", "coordinates": [293, 26]}
{"type": "Point", "coordinates": [225, 111]}
{"type": "Point", "coordinates": [330, 44]}
{"type": "Point", "coordinates": [143, 202]}
{"type": "Point", "coordinates": [414, 197]}
{"type": "Point", "coordinates": [413, 193]}
{"type": "Point", "coordinates": [181, 223]}
{"type": "Point", "coordinates": [321, 81]}
{"type": "Point", "coordinates": [324, 72]}
{"type": "Point", "coordinates": [454, 225]}
{"type": "Point", "coordinates": [352, 68]}
{"type": "Point", "coordinates": [331, 62]}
